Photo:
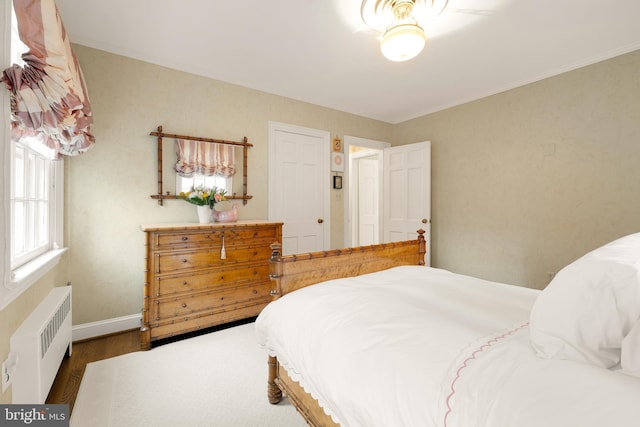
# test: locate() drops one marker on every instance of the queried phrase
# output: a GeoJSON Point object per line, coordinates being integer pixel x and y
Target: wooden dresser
{"type": "Point", "coordinates": [191, 283]}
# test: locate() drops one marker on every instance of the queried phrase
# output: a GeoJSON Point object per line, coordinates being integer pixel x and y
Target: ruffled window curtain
{"type": "Point", "coordinates": [204, 158]}
{"type": "Point", "coordinates": [49, 99]}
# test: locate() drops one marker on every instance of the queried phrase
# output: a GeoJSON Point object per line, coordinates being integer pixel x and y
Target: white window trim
{"type": "Point", "coordinates": [14, 283]}
{"type": "Point", "coordinates": [6, 295]}
{"type": "Point", "coordinates": [18, 280]}
{"type": "Point", "coordinates": [27, 274]}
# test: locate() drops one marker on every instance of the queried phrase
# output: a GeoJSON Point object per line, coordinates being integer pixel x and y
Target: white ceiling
{"type": "Point", "coordinates": [319, 51]}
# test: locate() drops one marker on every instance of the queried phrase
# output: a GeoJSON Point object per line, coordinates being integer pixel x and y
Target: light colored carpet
{"type": "Point", "coordinates": [218, 379]}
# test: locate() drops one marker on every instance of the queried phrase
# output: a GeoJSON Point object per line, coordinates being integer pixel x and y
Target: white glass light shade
{"type": "Point", "coordinates": [402, 42]}
{"type": "Point", "coordinates": [378, 14]}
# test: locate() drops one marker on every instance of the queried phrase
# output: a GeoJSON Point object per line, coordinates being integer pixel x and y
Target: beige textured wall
{"type": "Point", "coordinates": [526, 181]}
{"type": "Point", "coordinates": [109, 187]}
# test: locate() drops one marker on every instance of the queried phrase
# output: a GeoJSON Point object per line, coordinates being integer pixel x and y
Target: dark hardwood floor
{"type": "Point", "coordinates": [65, 386]}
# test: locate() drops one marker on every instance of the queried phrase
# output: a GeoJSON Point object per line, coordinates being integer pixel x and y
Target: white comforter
{"type": "Point", "coordinates": [418, 346]}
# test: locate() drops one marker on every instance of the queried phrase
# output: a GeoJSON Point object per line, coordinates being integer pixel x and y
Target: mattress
{"type": "Point", "coordinates": [420, 346]}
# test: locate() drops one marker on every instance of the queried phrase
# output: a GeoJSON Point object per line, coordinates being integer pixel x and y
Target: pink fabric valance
{"type": "Point", "coordinates": [204, 158]}
{"type": "Point", "coordinates": [48, 95]}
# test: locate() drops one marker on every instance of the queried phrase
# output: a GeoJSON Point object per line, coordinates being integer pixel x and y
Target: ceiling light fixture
{"type": "Point", "coordinates": [400, 21]}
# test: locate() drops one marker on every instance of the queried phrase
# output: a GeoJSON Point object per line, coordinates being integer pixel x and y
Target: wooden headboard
{"type": "Point", "coordinates": [291, 272]}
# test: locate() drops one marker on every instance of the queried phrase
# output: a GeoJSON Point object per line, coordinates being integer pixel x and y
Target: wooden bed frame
{"type": "Point", "coordinates": [292, 272]}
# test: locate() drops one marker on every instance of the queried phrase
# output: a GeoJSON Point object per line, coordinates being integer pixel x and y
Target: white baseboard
{"type": "Point", "coordinates": [105, 327]}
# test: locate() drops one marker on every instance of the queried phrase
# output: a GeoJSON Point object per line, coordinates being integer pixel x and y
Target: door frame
{"type": "Point", "coordinates": [324, 191]}
{"type": "Point", "coordinates": [356, 194]}
{"type": "Point", "coordinates": [348, 203]}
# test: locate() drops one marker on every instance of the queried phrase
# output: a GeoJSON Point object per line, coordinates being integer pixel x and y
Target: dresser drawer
{"type": "Point", "coordinates": [194, 260]}
{"type": "Point", "coordinates": [188, 286]}
{"type": "Point", "coordinates": [174, 327]}
{"type": "Point", "coordinates": [188, 239]}
{"type": "Point", "coordinates": [223, 277]}
{"type": "Point", "coordinates": [203, 303]}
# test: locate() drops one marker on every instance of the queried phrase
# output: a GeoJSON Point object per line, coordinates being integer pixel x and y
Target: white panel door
{"type": "Point", "coordinates": [299, 186]}
{"type": "Point", "coordinates": [407, 192]}
{"type": "Point", "coordinates": [368, 202]}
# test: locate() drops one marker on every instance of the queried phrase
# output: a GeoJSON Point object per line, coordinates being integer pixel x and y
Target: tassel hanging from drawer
{"type": "Point", "coordinates": [223, 252]}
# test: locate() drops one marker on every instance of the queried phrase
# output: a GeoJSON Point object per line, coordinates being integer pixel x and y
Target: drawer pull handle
{"type": "Point", "coordinates": [223, 251]}
{"type": "Point", "coordinates": [185, 238]}
{"type": "Point", "coordinates": [255, 292]}
{"type": "Point", "coordinates": [184, 305]}
{"type": "Point", "coordinates": [184, 261]}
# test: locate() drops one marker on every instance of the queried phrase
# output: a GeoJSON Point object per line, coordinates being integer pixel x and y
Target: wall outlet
{"type": "Point", "coordinates": [6, 376]}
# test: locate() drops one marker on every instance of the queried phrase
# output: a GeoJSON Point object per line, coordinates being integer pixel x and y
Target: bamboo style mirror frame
{"type": "Point", "coordinates": [161, 196]}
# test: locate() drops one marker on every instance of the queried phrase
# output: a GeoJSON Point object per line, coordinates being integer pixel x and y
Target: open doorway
{"type": "Point", "coordinates": [363, 207]}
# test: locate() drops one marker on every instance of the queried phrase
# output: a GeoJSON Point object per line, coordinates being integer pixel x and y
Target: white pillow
{"type": "Point", "coordinates": [630, 354]}
{"type": "Point", "coordinates": [590, 307]}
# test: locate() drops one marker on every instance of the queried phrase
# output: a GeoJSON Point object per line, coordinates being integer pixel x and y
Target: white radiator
{"type": "Point", "coordinates": [39, 345]}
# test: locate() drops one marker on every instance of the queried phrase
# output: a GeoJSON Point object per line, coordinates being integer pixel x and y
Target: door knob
{"type": "Point", "coordinates": [320, 220]}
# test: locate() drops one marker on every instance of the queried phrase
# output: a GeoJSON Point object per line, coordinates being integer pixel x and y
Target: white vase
{"type": "Point", "coordinates": [204, 214]}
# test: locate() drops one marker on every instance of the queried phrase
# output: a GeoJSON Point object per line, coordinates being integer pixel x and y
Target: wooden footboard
{"type": "Point", "coordinates": [291, 272]}
{"type": "Point", "coordinates": [280, 382]}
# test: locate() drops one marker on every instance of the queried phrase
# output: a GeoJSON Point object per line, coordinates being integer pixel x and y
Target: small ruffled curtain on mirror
{"type": "Point", "coordinates": [49, 98]}
{"type": "Point", "coordinates": [204, 158]}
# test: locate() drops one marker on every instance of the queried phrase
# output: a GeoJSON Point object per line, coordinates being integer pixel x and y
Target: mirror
{"type": "Point", "coordinates": [167, 160]}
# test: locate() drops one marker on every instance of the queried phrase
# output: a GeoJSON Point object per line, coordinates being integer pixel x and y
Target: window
{"type": "Point", "coordinates": [33, 216]}
{"type": "Point", "coordinates": [201, 163]}
{"type": "Point", "coordinates": [33, 197]}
